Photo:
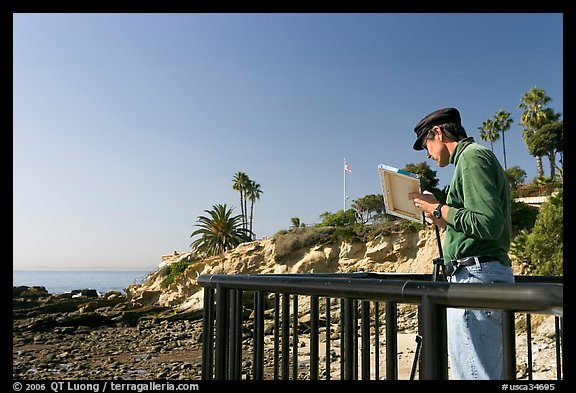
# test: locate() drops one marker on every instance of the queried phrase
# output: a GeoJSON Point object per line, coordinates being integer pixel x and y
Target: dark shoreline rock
{"type": "Point", "coordinates": [82, 336]}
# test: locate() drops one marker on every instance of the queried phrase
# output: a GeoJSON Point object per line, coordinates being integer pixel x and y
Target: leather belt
{"type": "Point", "coordinates": [453, 266]}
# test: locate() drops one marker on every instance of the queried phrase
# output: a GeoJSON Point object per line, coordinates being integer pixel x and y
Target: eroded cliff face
{"type": "Point", "coordinates": [401, 252]}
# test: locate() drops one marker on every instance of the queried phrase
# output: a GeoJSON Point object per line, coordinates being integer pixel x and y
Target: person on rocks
{"type": "Point", "coordinates": [477, 220]}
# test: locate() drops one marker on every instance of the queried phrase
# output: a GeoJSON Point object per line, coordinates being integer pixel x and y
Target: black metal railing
{"type": "Point", "coordinates": [360, 294]}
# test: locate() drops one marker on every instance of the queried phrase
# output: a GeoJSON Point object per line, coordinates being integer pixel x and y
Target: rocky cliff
{"type": "Point", "coordinates": [403, 251]}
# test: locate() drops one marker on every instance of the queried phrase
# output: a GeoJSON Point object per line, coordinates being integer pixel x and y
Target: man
{"type": "Point", "coordinates": [477, 220]}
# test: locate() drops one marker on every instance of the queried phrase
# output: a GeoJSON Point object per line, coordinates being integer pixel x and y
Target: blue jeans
{"type": "Point", "coordinates": [475, 336]}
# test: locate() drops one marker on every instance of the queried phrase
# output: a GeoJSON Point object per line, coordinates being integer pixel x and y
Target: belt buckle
{"type": "Point", "coordinates": [465, 260]}
{"type": "Point", "coordinates": [451, 268]}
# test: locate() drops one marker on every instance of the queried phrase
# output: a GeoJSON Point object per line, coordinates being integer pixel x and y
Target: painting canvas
{"type": "Point", "coordinates": [396, 185]}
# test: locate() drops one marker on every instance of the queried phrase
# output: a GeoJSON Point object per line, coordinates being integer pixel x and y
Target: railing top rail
{"type": "Point", "coordinates": [409, 276]}
{"type": "Point", "coordinates": [520, 297]}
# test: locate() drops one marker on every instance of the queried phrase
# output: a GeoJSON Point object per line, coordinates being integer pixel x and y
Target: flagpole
{"type": "Point", "coordinates": [344, 184]}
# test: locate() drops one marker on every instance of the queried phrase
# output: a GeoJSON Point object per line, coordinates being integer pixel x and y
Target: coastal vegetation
{"type": "Point", "coordinates": [173, 270]}
{"type": "Point", "coordinates": [249, 191]}
{"type": "Point", "coordinates": [541, 247]}
{"type": "Point", "coordinates": [219, 232]}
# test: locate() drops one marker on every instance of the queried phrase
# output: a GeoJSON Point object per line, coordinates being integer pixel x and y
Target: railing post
{"type": "Point", "coordinates": [314, 337]}
{"type": "Point", "coordinates": [221, 350]}
{"type": "Point", "coordinates": [391, 341]}
{"type": "Point", "coordinates": [434, 351]}
{"type": "Point", "coordinates": [285, 335]}
{"type": "Point", "coordinates": [529, 344]}
{"type": "Point", "coordinates": [348, 342]}
{"type": "Point", "coordinates": [558, 324]}
{"type": "Point", "coordinates": [258, 362]}
{"type": "Point", "coordinates": [509, 345]}
{"type": "Point", "coordinates": [376, 341]}
{"type": "Point", "coordinates": [365, 327]}
{"type": "Point", "coordinates": [328, 353]}
{"type": "Point", "coordinates": [207, 334]}
{"type": "Point", "coordinates": [235, 335]}
{"type": "Point", "coordinates": [342, 340]}
{"type": "Point", "coordinates": [276, 333]}
{"type": "Point", "coordinates": [295, 337]}
{"type": "Point", "coordinates": [355, 348]}
{"type": "Point", "coordinates": [238, 333]}
{"type": "Point", "coordinates": [442, 332]}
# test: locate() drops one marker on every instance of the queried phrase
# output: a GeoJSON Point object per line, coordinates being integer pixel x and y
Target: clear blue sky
{"type": "Point", "coordinates": [126, 127]}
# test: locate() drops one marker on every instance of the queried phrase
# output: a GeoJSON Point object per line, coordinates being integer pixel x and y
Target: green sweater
{"type": "Point", "coordinates": [479, 222]}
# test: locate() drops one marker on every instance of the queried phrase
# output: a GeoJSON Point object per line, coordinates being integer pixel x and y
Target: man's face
{"type": "Point", "coordinates": [436, 149]}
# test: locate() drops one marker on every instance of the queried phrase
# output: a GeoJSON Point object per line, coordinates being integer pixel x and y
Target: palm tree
{"type": "Point", "coordinates": [554, 132]}
{"type": "Point", "coordinates": [502, 123]}
{"type": "Point", "coordinates": [548, 140]}
{"type": "Point", "coordinates": [241, 182]}
{"type": "Point", "coordinates": [253, 193]}
{"type": "Point", "coordinates": [533, 102]}
{"type": "Point", "coordinates": [488, 132]}
{"type": "Point", "coordinates": [220, 232]}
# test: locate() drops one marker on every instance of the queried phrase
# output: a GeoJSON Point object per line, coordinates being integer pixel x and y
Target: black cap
{"type": "Point", "coordinates": [441, 116]}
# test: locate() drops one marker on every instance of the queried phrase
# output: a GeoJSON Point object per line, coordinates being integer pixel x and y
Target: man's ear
{"type": "Point", "coordinates": [440, 133]}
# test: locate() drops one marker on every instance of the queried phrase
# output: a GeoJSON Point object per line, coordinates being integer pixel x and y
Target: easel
{"type": "Point", "coordinates": [438, 274]}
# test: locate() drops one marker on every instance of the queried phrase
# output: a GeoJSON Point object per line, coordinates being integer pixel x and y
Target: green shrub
{"type": "Point", "coordinates": [347, 234]}
{"type": "Point", "coordinates": [174, 270]}
{"type": "Point", "coordinates": [339, 219]}
{"type": "Point", "coordinates": [518, 249]}
{"type": "Point", "coordinates": [387, 228]}
{"type": "Point", "coordinates": [523, 216]}
{"type": "Point", "coordinates": [544, 245]}
{"type": "Point", "coordinates": [297, 238]}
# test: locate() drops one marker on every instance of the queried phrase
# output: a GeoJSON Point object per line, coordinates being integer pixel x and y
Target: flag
{"type": "Point", "coordinates": [347, 167]}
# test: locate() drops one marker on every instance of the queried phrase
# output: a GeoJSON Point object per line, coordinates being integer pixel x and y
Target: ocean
{"type": "Point", "coordinates": [62, 281]}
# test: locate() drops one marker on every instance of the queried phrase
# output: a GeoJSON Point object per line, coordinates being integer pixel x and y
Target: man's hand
{"type": "Point", "coordinates": [426, 202]}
